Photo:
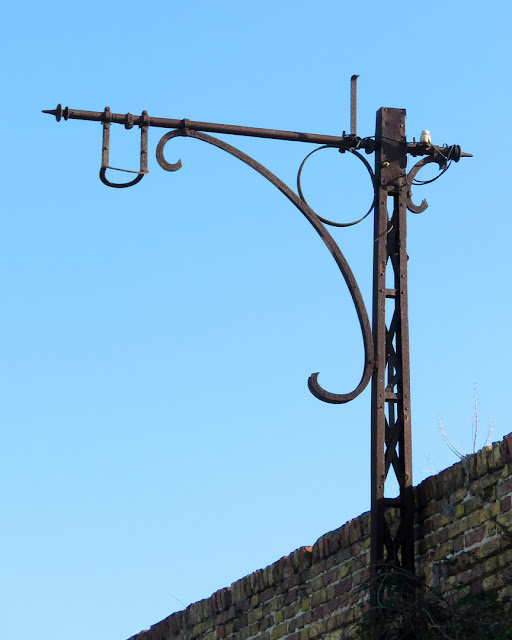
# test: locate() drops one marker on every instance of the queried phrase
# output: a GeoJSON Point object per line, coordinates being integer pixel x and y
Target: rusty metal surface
{"type": "Point", "coordinates": [316, 389]}
{"type": "Point", "coordinates": [386, 343]}
{"type": "Point", "coordinates": [210, 127]}
{"type": "Point", "coordinates": [411, 176]}
{"type": "Point", "coordinates": [391, 407]}
{"type": "Point", "coordinates": [353, 105]}
{"type": "Point", "coordinates": [128, 120]}
{"type": "Point", "coordinates": [105, 149]}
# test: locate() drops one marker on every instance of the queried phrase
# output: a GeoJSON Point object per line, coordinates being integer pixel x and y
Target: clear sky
{"type": "Point", "coordinates": [159, 440]}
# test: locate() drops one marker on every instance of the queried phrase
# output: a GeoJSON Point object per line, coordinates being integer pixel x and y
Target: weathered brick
{"type": "Point", "coordinates": [291, 581]}
{"type": "Point", "coordinates": [330, 577]}
{"type": "Point", "coordinates": [278, 616]}
{"type": "Point", "coordinates": [266, 622]}
{"type": "Point", "coordinates": [221, 618]}
{"type": "Point", "coordinates": [468, 506]}
{"type": "Point", "coordinates": [474, 520]}
{"type": "Point", "coordinates": [474, 503]}
{"type": "Point", "coordinates": [317, 583]}
{"type": "Point", "coordinates": [267, 594]}
{"type": "Point", "coordinates": [317, 569]}
{"type": "Point", "coordinates": [318, 598]}
{"type": "Point", "coordinates": [277, 603]}
{"type": "Point", "coordinates": [318, 613]}
{"type": "Point", "coordinates": [305, 604]}
{"type": "Point", "coordinates": [443, 535]}
{"type": "Point", "coordinates": [291, 596]}
{"type": "Point", "coordinates": [492, 564]}
{"type": "Point", "coordinates": [255, 615]}
{"type": "Point", "coordinates": [492, 583]}
{"type": "Point", "coordinates": [471, 538]}
{"type": "Point", "coordinates": [288, 569]}
{"type": "Point", "coordinates": [485, 514]}
{"type": "Point", "coordinates": [504, 488]}
{"type": "Point", "coordinates": [488, 548]}
{"type": "Point", "coordinates": [344, 586]}
{"type": "Point", "coordinates": [331, 592]}
{"type": "Point", "coordinates": [448, 549]}
{"type": "Point", "coordinates": [316, 630]}
{"type": "Point", "coordinates": [459, 511]}
{"type": "Point", "coordinates": [355, 530]}
{"type": "Point", "coordinates": [360, 576]}
{"type": "Point", "coordinates": [507, 449]}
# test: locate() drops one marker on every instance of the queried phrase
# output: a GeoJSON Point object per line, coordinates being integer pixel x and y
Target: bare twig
{"type": "Point", "coordinates": [447, 440]}
{"type": "Point", "coordinates": [489, 433]}
{"type": "Point", "coordinates": [474, 426]}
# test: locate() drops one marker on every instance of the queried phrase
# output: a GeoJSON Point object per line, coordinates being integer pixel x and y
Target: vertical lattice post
{"type": "Point", "coordinates": [391, 409]}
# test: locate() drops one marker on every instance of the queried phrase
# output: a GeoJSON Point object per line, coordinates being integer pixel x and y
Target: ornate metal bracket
{"type": "Point", "coordinates": [317, 224]}
{"type": "Point", "coordinates": [386, 344]}
{"type": "Point", "coordinates": [444, 160]}
{"type": "Point", "coordinates": [351, 143]}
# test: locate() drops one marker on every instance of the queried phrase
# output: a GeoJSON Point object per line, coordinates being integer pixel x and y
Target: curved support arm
{"type": "Point", "coordinates": [331, 245]}
{"type": "Point", "coordinates": [441, 161]}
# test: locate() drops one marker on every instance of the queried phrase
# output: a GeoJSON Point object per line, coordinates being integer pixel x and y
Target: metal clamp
{"type": "Point", "coordinates": [107, 118]}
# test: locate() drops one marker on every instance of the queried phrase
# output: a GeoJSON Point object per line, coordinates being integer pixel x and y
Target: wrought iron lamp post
{"type": "Point", "coordinates": [386, 343]}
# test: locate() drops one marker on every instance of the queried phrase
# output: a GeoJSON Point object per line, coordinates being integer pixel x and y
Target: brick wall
{"type": "Point", "coordinates": [463, 531]}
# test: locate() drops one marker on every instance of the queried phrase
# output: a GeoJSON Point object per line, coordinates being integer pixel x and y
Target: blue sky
{"type": "Point", "coordinates": [159, 439]}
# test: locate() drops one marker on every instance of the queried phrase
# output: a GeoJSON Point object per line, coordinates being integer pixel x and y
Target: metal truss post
{"type": "Point", "coordinates": [392, 545]}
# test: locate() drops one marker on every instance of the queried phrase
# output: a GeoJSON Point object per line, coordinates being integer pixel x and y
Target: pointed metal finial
{"type": "Point", "coordinates": [58, 112]}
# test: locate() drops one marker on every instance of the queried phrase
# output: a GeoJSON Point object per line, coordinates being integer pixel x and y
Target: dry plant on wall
{"type": "Point", "coordinates": [474, 429]}
{"type": "Point", "coordinates": [406, 610]}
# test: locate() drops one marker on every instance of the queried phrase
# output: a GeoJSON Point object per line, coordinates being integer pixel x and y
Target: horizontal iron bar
{"type": "Point", "coordinates": [344, 142]}
{"type": "Point", "coordinates": [210, 127]}
{"type": "Point", "coordinates": [392, 502]}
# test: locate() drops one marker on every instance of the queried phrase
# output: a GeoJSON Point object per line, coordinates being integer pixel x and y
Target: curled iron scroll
{"type": "Point", "coordinates": [314, 220]}
{"type": "Point", "coordinates": [368, 168]}
{"type": "Point", "coordinates": [441, 161]}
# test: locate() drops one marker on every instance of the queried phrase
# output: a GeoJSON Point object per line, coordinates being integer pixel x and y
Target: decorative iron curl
{"type": "Point", "coordinates": [438, 159]}
{"type": "Point", "coordinates": [368, 168]}
{"type": "Point", "coordinates": [335, 251]}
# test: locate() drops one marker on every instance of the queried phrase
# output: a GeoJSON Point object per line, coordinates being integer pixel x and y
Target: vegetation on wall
{"type": "Point", "coordinates": [406, 610]}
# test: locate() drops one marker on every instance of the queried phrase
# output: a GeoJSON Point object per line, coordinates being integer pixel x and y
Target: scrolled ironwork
{"type": "Point", "coordinates": [316, 222]}
{"type": "Point", "coordinates": [438, 159]}
{"type": "Point", "coordinates": [386, 345]}
{"type": "Point", "coordinates": [368, 168]}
